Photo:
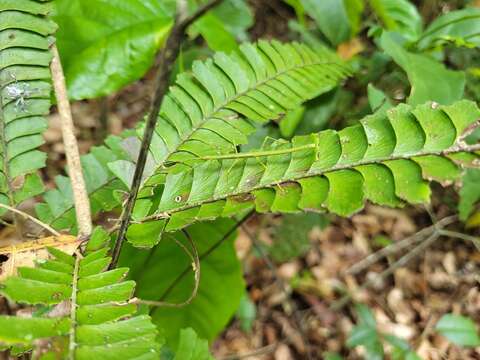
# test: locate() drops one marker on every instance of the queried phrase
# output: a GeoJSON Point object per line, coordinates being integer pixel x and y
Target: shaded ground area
{"type": "Point", "coordinates": [408, 303]}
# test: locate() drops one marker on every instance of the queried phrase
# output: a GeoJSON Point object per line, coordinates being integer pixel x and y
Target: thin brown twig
{"type": "Point", "coordinates": [102, 131]}
{"type": "Point", "coordinates": [31, 218]}
{"type": "Point", "coordinates": [167, 58]}
{"type": "Point", "coordinates": [80, 195]}
{"type": "Point", "coordinates": [204, 255]}
{"type": "Point", "coordinates": [196, 271]}
{"type": "Point", "coordinates": [262, 351]}
{"type": "Point", "coordinates": [399, 245]}
{"type": "Point", "coordinates": [404, 260]}
{"type": "Point", "coordinates": [458, 235]}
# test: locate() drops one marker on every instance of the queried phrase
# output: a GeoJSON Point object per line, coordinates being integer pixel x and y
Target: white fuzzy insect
{"type": "Point", "coordinates": [19, 92]}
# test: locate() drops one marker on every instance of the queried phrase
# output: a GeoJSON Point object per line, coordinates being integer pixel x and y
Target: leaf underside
{"type": "Point", "coordinates": [208, 111]}
{"type": "Point", "coordinates": [387, 159]}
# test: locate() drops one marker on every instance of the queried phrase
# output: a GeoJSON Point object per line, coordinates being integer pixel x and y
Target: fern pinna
{"type": "Point", "coordinates": [387, 159]}
{"type": "Point", "coordinates": [83, 311]}
{"type": "Point", "coordinates": [24, 96]}
{"type": "Point", "coordinates": [208, 111]}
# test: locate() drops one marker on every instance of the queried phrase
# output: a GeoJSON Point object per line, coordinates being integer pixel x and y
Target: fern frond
{"type": "Point", "coordinates": [212, 110]}
{"type": "Point", "coordinates": [386, 159]}
{"type": "Point", "coordinates": [24, 95]}
{"type": "Point", "coordinates": [105, 190]}
{"type": "Point", "coordinates": [84, 310]}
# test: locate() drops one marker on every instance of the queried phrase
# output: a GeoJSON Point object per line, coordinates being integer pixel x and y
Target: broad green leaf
{"type": "Point", "coordinates": [291, 235]}
{"type": "Point", "coordinates": [221, 281]}
{"type": "Point", "coordinates": [458, 329]}
{"type": "Point", "coordinates": [460, 25]}
{"type": "Point", "coordinates": [225, 24]}
{"type": "Point", "coordinates": [400, 16]}
{"type": "Point", "coordinates": [422, 72]}
{"type": "Point", "coordinates": [190, 347]}
{"type": "Point", "coordinates": [299, 9]}
{"type": "Point", "coordinates": [331, 17]}
{"type": "Point", "coordinates": [118, 48]}
{"type": "Point", "coordinates": [321, 110]}
{"type": "Point", "coordinates": [354, 9]}
{"type": "Point", "coordinates": [237, 17]}
{"type": "Point", "coordinates": [214, 32]}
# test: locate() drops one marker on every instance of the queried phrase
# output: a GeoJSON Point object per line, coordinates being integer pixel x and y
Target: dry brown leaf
{"type": "Point", "coordinates": [26, 253]}
{"type": "Point", "coordinates": [349, 49]}
{"type": "Point", "coordinates": [450, 263]}
{"type": "Point", "coordinates": [400, 307]}
{"type": "Point", "coordinates": [283, 353]}
{"type": "Point", "coordinates": [243, 244]}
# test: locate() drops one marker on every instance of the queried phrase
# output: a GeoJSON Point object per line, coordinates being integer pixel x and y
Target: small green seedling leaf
{"type": "Point", "coordinates": [458, 329]}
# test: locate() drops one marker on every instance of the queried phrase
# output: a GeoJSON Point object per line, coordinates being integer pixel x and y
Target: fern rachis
{"type": "Point", "coordinates": [211, 111]}
{"type": "Point", "coordinates": [24, 96]}
{"type": "Point", "coordinates": [84, 311]}
{"type": "Point", "coordinates": [384, 159]}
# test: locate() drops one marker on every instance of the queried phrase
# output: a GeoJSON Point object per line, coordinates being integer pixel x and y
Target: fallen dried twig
{"type": "Point", "coordinates": [80, 195]}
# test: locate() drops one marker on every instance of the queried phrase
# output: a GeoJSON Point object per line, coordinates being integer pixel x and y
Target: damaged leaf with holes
{"type": "Point", "coordinates": [81, 311]}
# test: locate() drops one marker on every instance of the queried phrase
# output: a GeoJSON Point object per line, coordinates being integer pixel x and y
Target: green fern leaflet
{"type": "Point", "coordinates": [83, 311]}
{"type": "Point", "coordinates": [24, 96]}
{"type": "Point", "coordinates": [209, 111]}
{"type": "Point", "coordinates": [386, 159]}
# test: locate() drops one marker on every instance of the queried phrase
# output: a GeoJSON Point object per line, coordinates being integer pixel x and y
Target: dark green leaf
{"type": "Point", "coordinates": [469, 193]}
{"type": "Point", "coordinates": [118, 48]}
{"type": "Point", "coordinates": [290, 237]}
{"type": "Point", "coordinates": [463, 25]}
{"type": "Point", "coordinates": [400, 16]}
{"type": "Point", "coordinates": [422, 72]}
{"type": "Point", "coordinates": [221, 282]}
{"type": "Point", "coordinates": [331, 17]}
